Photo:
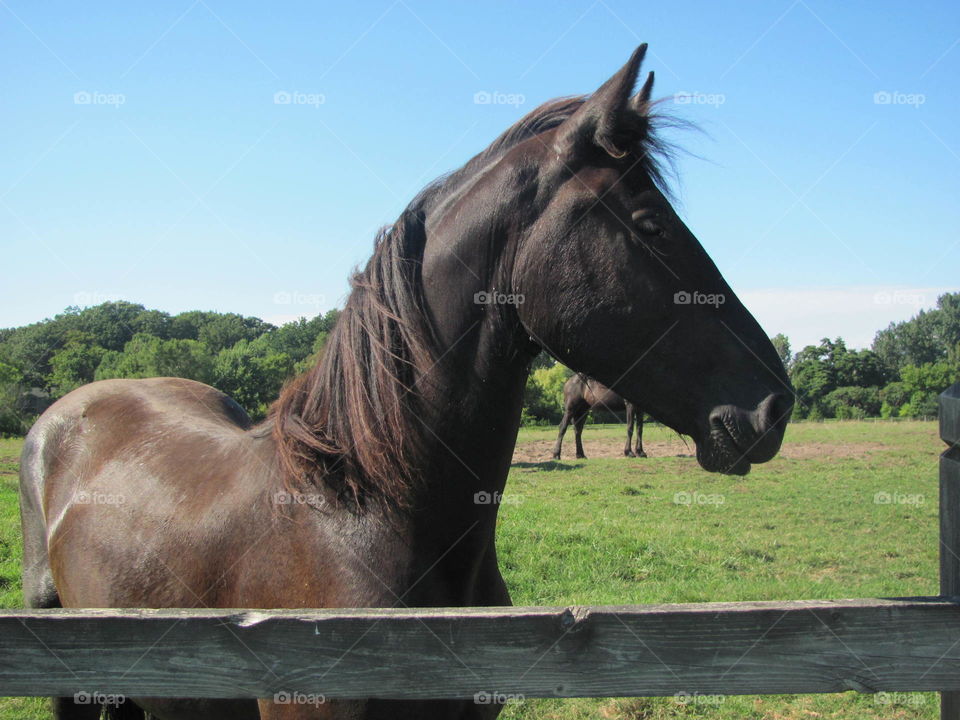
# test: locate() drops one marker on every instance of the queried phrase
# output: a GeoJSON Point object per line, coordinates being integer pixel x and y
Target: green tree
{"type": "Point", "coordinates": [112, 324]}
{"type": "Point", "coordinates": [303, 339]}
{"type": "Point", "coordinates": [319, 342]}
{"type": "Point", "coordinates": [30, 348]}
{"type": "Point", "coordinates": [923, 384]}
{"type": "Point", "coordinates": [153, 322]}
{"type": "Point", "coordinates": [295, 338]}
{"type": "Point", "coordinates": [859, 368]}
{"type": "Point", "coordinates": [542, 360]}
{"type": "Point", "coordinates": [11, 420]}
{"type": "Point", "coordinates": [298, 338]}
{"type": "Point", "coordinates": [149, 356]}
{"type": "Point", "coordinates": [818, 370]}
{"type": "Point", "coordinates": [252, 373]}
{"type": "Point", "coordinates": [929, 337]}
{"type": "Point", "coordinates": [893, 397]}
{"type": "Point", "coordinates": [814, 375]}
{"type": "Point", "coordinates": [186, 325]}
{"type": "Point", "coordinates": [912, 342]}
{"type": "Point", "coordinates": [75, 364]}
{"type": "Point", "coordinates": [226, 330]}
{"type": "Point", "coordinates": [543, 394]}
{"type": "Point", "coordinates": [853, 402]}
{"type": "Point", "coordinates": [782, 345]}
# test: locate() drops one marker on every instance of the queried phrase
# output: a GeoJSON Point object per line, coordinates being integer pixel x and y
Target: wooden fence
{"type": "Point", "coordinates": [893, 645]}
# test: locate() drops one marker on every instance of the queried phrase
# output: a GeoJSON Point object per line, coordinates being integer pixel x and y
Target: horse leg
{"type": "Point", "coordinates": [578, 423]}
{"type": "Point", "coordinates": [627, 450]}
{"type": "Point", "coordinates": [124, 710]}
{"type": "Point", "coordinates": [74, 708]}
{"type": "Point", "coordinates": [64, 708]}
{"type": "Point", "coordinates": [68, 708]}
{"type": "Point", "coordinates": [638, 415]}
{"type": "Point", "coordinates": [564, 422]}
{"type": "Point", "coordinates": [39, 591]}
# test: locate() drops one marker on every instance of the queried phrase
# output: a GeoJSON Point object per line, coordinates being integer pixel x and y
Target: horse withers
{"type": "Point", "coordinates": [361, 487]}
{"type": "Point", "coordinates": [581, 396]}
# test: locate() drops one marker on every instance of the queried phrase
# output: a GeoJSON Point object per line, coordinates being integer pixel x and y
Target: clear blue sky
{"type": "Point", "coordinates": [182, 184]}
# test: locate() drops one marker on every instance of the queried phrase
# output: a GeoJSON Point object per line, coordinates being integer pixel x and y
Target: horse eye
{"type": "Point", "coordinates": [647, 222]}
{"type": "Point", "coordinates": [651, 228]}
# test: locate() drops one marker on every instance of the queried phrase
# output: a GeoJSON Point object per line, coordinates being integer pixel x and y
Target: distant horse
{"type": "Point", "coordinates": [581, 395]}
{"type": "Point", "coordinates": [359, 490]}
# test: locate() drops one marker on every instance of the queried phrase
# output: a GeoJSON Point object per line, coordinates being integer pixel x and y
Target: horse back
{"type": "Point", "coordinates": [602, 397]}
{"type": "Point", "coordinates": [99, 422]}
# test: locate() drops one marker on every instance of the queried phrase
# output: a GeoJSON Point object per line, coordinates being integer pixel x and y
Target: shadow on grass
{"type": "Point", "coordinates": [547, 465]}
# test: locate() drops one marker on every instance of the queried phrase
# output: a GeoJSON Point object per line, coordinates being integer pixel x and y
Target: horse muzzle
{"type": "Point", "coordinates": [738, 438]}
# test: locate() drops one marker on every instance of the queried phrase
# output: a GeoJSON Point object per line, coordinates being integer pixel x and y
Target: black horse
{"type": "Point", "coordinates": [360, 488]}
{"type": "Point", "coordinates": [581, 395]}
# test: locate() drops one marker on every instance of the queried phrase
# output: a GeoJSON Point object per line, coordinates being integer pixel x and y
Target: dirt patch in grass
{"type": "Point", "coordinates": [541, 450]}
{"type": "Point", "coordinates": [826, 451]}
{"type": "Point", "coordinates": [9, 460]}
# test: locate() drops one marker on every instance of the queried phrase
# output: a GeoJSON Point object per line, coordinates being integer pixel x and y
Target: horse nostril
{"type": "Point", "coordinates": [776, 409]}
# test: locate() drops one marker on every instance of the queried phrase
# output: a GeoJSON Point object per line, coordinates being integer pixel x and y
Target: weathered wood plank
{"type": "Point", "coordinates": [950, 517]}
{"type": "Point", "coordinates": [950, 415]}
{"type": "Point", "coordinates": [950, 522]}
{"type": "Point", "coordinates": [717, 648]}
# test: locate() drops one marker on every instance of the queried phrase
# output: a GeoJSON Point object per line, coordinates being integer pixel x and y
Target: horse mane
{"type": "Point", "coordinates": [351, 415]}
{"type": "Point", "coordinates": [351, 421]}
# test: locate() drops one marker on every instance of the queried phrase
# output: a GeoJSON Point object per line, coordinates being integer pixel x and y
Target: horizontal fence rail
{"type": "Point", "coordinates": [716, 648]}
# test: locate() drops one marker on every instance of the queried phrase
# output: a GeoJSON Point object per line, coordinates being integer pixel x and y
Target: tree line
{"type": "Point", "coordinates": [245, 357]}
{"type": "Point", "coordinates": [900, 375]}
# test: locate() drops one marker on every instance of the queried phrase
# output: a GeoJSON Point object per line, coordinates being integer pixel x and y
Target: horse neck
{"type": "Point", "coordinates": [474, 392]}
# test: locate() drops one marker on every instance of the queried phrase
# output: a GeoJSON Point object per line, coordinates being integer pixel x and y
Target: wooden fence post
{"type": "Point", "coordinates": [950, 518]}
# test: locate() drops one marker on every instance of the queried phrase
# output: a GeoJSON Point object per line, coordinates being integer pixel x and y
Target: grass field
{"type": "Point", "coordinates": [848, 510]}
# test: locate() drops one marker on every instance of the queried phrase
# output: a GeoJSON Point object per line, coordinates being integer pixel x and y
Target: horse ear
{"type": "Point", "coordinates": [600, 119]}
{"type": "Point", "coordinates": [639, 102]}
